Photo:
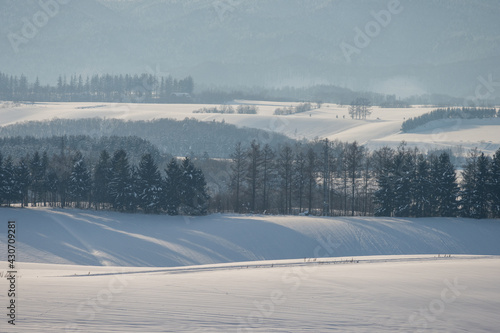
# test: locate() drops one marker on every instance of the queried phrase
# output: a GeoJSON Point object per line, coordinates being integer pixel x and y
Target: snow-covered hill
{"type": "Point", "coordinates": [107, 238]}
{"type": "Point", "coordinates": [237, 273]}
{"type": "Point", "coordinates": [330, 121]}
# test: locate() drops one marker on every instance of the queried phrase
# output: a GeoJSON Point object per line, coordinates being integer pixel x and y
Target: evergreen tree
{"type": "Point", "coordinates": [200, 202]}
{"type": "Point", "coordinates": [135, 189]}
{"type": "Point", "coordinates": [444, 191]}
{"type": "Point", "coordinates": [403, 176]}
{"type": "Point", "coordinates": [421, 188]}
{"type": "Point", "coordinates": [80, 181]}
{"type": "Point", "coordinates": [44, 170]}
{"type": "Point", "coordinates": [474, 192]}
{"type": "Point", "coordinates": [52, 185]}
{"type": "Point", "coordinates": [384, 196]}
{"type": "Point", "coordinates": [22, 182]}
{"type": "Point", "coordinates": [495, 184]}
{"type": "Point", "coordinates": [37, 174]}
{"type": "Point", "coordinates": [483, 186]}
{"type": "Point", "coordinates": [150, 185]}
{"type": "Point", "coordinates": [8, 184]}
{"type": "Point", "coordinates": [120, 186]}
{"type": "Point", "coordinates": [102, 179]}
{"type": "Point", "coordinates": [172, 188]}
{"type": "Point", "coordinates": [193, 189]}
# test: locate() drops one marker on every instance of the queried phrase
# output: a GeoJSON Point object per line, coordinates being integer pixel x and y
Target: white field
{"type": "Point", "coordinates": [87, 271]}
{"type": "Point", "coordinates": [383, 294]}
{"type": "Point", "coordinates": [330, 121]}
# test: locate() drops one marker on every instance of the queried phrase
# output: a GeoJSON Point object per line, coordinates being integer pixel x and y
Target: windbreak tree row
{"type": "Point", "coordinates": [144, 88]}
{"type": "Point", "coordinates": [113, 184]}
{"type": "Point", "coordinates": [449, 113]}
{"type": "Point", "coordinates": [337, 178]}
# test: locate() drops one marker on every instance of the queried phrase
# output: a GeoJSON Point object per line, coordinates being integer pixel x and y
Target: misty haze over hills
{"type": "Point", "coordinates": [441, 46]}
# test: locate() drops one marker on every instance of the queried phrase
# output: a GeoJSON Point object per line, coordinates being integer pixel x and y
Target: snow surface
{"type": "Point", "coordinates": [86, 271]}
{"type": "Point", "coordinates": [80, 237]}
{"type": "Point", "coordinates": [391, 294]}
{"type": "Point", "coordinates": [330, 121]}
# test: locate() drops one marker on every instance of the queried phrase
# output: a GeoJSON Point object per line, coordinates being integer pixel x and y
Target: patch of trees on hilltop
{"type": "Point", "coordinates": [144, 88]}
{"type": "Point", "coordinates": [449, 113]}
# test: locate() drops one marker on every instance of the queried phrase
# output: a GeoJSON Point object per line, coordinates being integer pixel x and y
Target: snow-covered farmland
{"type": "Point", "coordinates": [330, 121]}
{"type": "Point", "coordinates": [85, 271]}
{"type": "Point", "coordinates": [67, 236]}
{"type": "Point", "coordinates": [425, 294]}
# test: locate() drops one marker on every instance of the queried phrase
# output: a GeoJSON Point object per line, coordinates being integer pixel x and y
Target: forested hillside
{"type": "Point", "coordinates": [179, 138]}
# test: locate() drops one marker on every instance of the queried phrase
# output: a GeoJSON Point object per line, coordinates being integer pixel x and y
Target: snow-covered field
{"type": "Point", "coordinates": [330, 121]}
{"type": "Point", "coordinates": [87, 271]}
{"type": "Point", "coordinates": [385, 294]}
{"type": "Point", "coordinates": [81, 237]}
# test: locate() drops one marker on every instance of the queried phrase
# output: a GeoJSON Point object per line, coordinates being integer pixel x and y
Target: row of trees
{"type": "Point", "coordinates": [321, 178]}
{"type": "Point", "coordinates": [411, 184]}
{"type": "Point", "coordinates": [302, 107]}
{"type": "Point", "coordinates": [145, 88]}
{"type": "Point", "coordinates": [336, 178]}
{"type": "Point", "coordinates": [112, 183]}
{"type": "Point", "coordinates": [449, 113]}
{"type": "Point", "coordinates": [228, 109]}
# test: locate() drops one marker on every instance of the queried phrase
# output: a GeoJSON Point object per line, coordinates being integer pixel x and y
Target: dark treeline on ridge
{"type": "Point", "coordinates": [449, 113]}
{"type": "Point", "coordinates": [144, 88]}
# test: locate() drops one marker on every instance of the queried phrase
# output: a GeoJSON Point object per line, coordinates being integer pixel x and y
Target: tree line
{"type": "Point", "coordinates": [337, 178]}
{"type": "Point", "coordinates": [412, 184]}
{"type": "Point", "coordinates": [302, 107]}
{"type": "Point", "coordinates": [320, 178]}
{"type": "Point", "coordinates": [449, 113]}
{"type": "Point", "coordinates": [228, 109]}
{"type": "Point", "coordinates": [324, 177]}
{"type": "Point", "coordinates": [112, 183]}
{"type": "Point", "coordinates": [144, 88]}
{"type": "Point", "coordinates": [179, 138]}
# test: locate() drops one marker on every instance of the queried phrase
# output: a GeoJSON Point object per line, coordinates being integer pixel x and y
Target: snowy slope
{"type": "Point", "coordinates": [107, 238]}
{"type": "Point", "coordinates": [330, 121]}
{"type": "Point", "coordinates": [86, 271]}
{"type": "Point", "coordinates": [385, 294]}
